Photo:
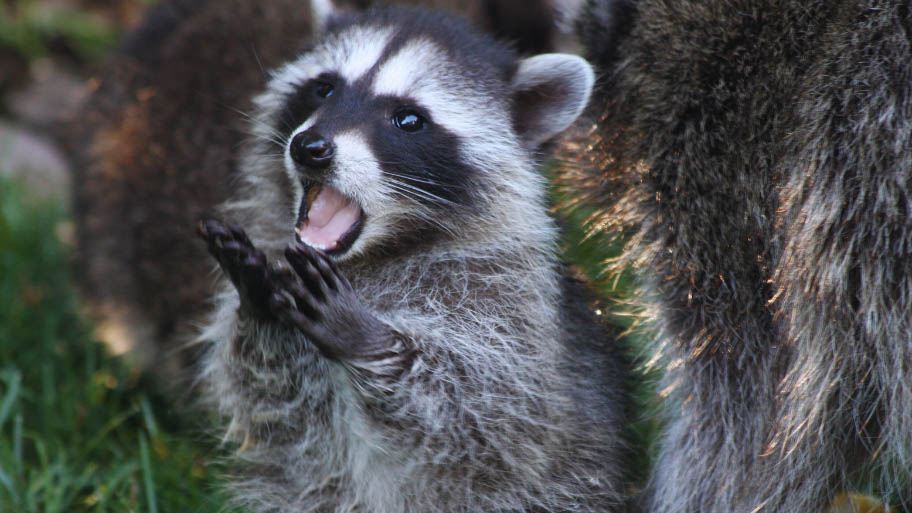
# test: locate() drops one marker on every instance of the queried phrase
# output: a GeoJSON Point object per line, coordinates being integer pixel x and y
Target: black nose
{"type": "Point", "coordinates": [312, 149]}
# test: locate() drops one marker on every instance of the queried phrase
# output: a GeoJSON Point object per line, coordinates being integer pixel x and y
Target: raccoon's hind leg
{"type": "Point", "coordinates": [323, 306]}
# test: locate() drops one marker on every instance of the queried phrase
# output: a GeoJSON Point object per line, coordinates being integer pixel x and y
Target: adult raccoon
{"type": "Point", "coordinates": [758, 157]}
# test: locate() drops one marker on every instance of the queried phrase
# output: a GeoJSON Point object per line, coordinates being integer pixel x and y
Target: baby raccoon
{"type": "Point", "coordinates": [396, 335]}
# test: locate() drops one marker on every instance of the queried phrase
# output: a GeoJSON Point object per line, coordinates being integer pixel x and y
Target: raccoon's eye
{"type": "Point", "coordinates": [408, 120]}
{"type": "Point", "coordinates": [324, 89]}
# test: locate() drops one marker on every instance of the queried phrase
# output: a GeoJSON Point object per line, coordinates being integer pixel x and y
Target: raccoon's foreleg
{"type": "Point", "coordinates": [323, 306]}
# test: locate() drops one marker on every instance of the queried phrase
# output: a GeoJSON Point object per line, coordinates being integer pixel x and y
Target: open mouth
{"type": "Point", "coordinates": [328, 220]}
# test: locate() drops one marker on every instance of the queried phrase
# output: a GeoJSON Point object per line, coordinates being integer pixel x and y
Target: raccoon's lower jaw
{"type": "Point", "coordinates": [328, 220]}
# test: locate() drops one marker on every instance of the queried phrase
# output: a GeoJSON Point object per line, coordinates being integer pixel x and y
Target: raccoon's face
{"type": "Point", "coordinates": [408, 121]}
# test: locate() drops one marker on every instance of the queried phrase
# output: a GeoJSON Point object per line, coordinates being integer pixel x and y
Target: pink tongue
{"type": "Point", "coordinates": [330, 217]}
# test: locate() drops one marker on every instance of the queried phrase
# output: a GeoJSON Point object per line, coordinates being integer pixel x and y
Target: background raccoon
{"type": "Point", "coordinates": [157, 146]}
{"type": "Point", "coordinates": [757, 156]}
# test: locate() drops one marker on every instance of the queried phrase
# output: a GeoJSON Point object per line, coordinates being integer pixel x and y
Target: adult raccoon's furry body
{"type": "Point", "coordinates": [158, 145]}
{"type": "Point", "coordinates": [758, 155]}
{"type": "Point", "coordinates": [154, 149]}
{"type": "Point", "coordinates": [416, 349]}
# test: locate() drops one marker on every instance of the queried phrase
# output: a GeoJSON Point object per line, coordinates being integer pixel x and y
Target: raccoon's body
{"type": "Point", "coordinates": [759, 157]}
{"type": "Point", "coordinates": [421, 353]}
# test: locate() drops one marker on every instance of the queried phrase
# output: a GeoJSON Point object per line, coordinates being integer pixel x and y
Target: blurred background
{"type": "Point", "coordinates": [47, 50]}
{"type": "Point", "coordinates": [80, 430]}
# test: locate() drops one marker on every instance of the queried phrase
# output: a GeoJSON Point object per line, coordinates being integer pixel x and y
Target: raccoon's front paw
{"type": "Point", "coordinates": [245, 265]}
{"type": "Point", "coordinates": [321, 303]}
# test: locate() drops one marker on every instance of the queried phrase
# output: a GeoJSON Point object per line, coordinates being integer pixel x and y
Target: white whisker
{"type": "Point", "coordinates": [422, 180]}
{"type": "Point", "coordinates": [423, 213]}
{"type": "Point", "coordinates": [423, 193]}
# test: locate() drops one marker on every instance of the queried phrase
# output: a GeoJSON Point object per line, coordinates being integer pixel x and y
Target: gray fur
{"type": "Point", "coordinates": [514, 400]}
{"type": "Point", "coordinates": [759, 157]}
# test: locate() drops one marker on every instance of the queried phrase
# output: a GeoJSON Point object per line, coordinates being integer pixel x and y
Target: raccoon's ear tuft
{"type": "Point", "coordinates": [549, 92]}
{"type": "Point", "coordinates": [325, 15]}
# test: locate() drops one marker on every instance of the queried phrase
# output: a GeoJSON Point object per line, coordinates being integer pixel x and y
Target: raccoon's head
{"type": "Point", "coordinates": [408, 123]}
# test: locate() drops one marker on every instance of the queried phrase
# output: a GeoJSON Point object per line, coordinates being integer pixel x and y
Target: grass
{"type": "Point", "coordinates": [79, 430]}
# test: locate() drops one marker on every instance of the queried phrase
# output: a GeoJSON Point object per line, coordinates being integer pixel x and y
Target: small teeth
{"type": "Point", "coordinates": [312, 192]}
{"type": "Point", "coordinates": [316, 245]}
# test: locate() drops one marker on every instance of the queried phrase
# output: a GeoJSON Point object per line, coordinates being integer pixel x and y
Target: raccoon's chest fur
{"type": "Point", "coordinates": [304, 420]}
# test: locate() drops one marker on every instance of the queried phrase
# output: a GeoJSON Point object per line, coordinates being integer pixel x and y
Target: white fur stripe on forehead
{"type": "Point", "coordinates": [350, 54]}
{"type": "Point", "coordinates": [403, 73]}
{"type": "Point", "coordinates": [321, 10]}
{"type": "Point", "coordinates": [358, 50]}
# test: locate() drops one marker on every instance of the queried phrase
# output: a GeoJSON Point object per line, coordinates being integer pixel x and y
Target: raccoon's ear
{"type": "Point", "coordinates": [325, 14]}
{"type": "Point", "coordinates": [549, 92]}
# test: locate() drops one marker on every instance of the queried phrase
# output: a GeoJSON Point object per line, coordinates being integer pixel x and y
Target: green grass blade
{"type": "Point", "coordinates": [14, 383]}
{"type": "Point", "coordinates": [148, 481]}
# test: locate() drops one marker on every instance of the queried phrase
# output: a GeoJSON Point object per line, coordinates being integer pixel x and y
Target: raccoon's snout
{"type": "Point", "coordinates": [312, 150]}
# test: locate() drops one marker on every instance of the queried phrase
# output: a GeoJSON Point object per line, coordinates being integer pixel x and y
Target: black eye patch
{"type": "Point", "coordinates": [305, 100]}
{"type": "Point", "coordinates": [421, 159]}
